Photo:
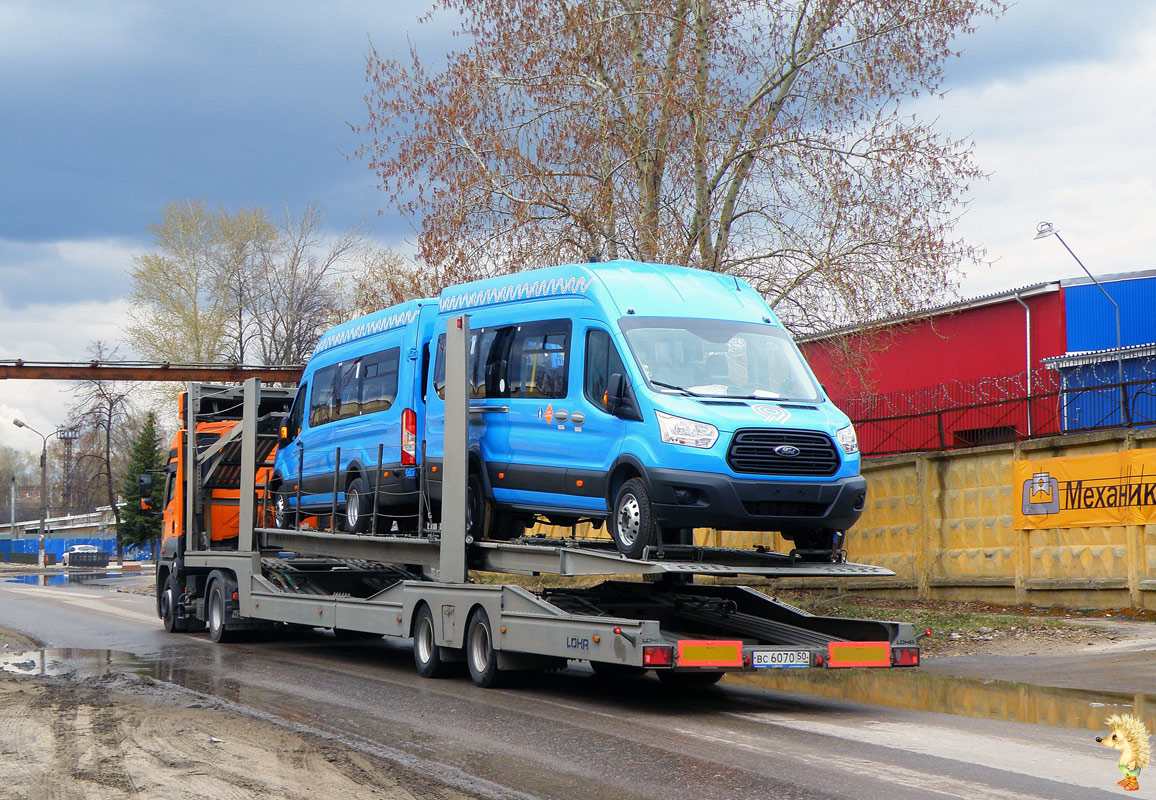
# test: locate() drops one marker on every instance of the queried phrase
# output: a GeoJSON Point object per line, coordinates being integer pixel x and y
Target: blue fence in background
{"type": "Point", "coordinates": [57, 547]}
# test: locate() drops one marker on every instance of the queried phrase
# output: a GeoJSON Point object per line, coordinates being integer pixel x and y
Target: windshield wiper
{"type": "Point", "coordinates": [682, 389]}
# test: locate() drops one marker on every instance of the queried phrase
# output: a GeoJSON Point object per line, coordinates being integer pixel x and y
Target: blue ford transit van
{"type": "Point", "coordinates": [353, 430]}
{"type": "Point", "coordinates": [654, 398]}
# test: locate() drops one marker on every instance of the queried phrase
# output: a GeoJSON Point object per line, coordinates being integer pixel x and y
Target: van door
{"type": "Point", "coordinates": [539, 441]}
{"type": "Point", "coordinates": [594, 435]}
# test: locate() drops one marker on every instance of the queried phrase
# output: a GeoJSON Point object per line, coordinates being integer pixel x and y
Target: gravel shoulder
{"type": "Point", "coordinates": [127, 736]}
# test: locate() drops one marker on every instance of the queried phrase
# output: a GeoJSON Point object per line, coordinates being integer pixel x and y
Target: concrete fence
{"type": "Point", "coordinates": [944, 523]}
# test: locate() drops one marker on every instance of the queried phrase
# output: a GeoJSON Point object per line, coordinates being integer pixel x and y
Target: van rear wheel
{"type": "Point", "coordinates": [357, 507]}
{"type": "Point", "coordinates": [632, 524]}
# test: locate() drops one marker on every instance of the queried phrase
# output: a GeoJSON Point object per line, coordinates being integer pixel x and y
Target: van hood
{"type": "Point", "coordinates": [731, 413]}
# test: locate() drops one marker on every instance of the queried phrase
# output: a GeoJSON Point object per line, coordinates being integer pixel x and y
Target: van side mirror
{"type": "Point", "coordinates": [620, 398]}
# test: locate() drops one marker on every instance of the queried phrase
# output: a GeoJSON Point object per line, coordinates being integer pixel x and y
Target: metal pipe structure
{"type": "Point", "coordinates": [1046, 229]}
{"type": "Point", "coordinates": [1028, 334]}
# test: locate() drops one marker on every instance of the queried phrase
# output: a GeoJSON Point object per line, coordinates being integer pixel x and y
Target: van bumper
{"type": "Point", "coordinates": [683, 499]}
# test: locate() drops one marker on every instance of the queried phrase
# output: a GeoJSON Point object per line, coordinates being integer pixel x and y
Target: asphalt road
{"type": "Point", "coordinates": [572, 736]}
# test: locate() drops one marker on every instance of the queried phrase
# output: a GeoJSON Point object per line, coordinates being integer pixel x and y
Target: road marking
{"type": "Point", "coordinates": [935, 783]}
{"type": "Point", "coordinates": [1003, 753]}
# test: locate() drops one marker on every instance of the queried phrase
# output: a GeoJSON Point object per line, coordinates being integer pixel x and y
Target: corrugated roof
{"type": "Point", "coordinates": [1083, 357]}
{"type": "Point", "coordinates": [949, 308]}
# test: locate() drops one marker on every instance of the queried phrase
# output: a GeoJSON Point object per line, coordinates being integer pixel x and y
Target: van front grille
{"type": "Point", "coordinates": [752, 451]}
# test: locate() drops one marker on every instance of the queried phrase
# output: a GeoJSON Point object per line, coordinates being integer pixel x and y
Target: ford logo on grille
{"type": "Point", "coordinates": [786, 451]}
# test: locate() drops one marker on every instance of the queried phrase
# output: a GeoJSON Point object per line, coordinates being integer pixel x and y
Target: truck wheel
{"type": "Point", "coordinates": [427, 656]}
{"type": "Point", "coordinates": [167, 607]}
{"type": "Point", "coordinates": [357, 507]}
{"type": "Point", "coordinates": [689, 680]}
{"type": "Point", "coordinates": [218, 612]}
{"type": "Point", "coordinates": [481, 658]}
{"type": "Point", "coordinates": [284, 516]}
{"type": "Point", "coordinates": [632, 524]}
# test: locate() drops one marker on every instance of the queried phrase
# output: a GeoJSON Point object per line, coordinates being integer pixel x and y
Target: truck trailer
{"type": "Point", "coordinates": [225, 567]}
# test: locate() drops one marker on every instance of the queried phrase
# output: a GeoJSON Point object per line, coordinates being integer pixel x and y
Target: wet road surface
{"type": "Point", "coordinates": [852, 734]}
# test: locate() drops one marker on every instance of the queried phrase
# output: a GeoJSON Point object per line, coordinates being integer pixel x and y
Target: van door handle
{"type": "Point", "coordinates": [489, 409]}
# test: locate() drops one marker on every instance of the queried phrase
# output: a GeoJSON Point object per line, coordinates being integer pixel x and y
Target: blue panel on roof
{"type": "Point", "coordinates": [1091, 319]}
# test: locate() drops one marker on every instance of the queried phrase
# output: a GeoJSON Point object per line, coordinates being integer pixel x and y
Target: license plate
{"type": "Point", "coordinates": [780, 659]}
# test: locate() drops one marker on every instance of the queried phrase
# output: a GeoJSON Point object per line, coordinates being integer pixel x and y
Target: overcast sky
{"type": "Point", "coordinates": [110, 110]}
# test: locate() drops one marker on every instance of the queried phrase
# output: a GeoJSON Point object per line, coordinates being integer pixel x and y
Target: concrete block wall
{"type": "Point", "coordinates": [943, 522]}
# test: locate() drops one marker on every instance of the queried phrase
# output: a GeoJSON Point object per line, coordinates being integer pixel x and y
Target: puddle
{"type": "Point", "coordinates": [910, 689]}
{"type": "Point", "coordinates": [71, 578]}
{"type": "Point", "coordinates": [967, 697]}
{"type": "Point", "coordinates": [74, 661]}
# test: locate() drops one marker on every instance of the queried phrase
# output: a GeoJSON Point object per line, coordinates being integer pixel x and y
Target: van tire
{"type": "Point", "coordinates": [358, 507]}
{"type": "Point", "coordinates": [507, 525]}
{"type": "Point", "coordinates": [284, 516]}
{"type": "Point", "coordinates": [631, 524]}
{"type": "Point", "coordinates": [475, 507]}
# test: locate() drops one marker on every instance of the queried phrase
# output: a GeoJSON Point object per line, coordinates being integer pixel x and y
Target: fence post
{"type": "Point", "coordinates": [942, 437]}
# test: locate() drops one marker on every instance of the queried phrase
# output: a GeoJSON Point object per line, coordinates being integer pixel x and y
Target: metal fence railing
{"type": "Point", "coordinates": [1063, 409]}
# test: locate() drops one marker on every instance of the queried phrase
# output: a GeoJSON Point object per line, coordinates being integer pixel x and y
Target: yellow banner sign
{"type": "Point", "coordinates": [1080, 491]}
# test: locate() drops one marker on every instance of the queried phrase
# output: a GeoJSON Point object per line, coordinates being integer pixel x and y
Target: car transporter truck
{"type": "Point", "coordinates": [223, 566]}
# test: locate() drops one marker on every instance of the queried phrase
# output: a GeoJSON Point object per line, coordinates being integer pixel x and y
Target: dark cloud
{"type": "Point", "coordinates": [236, 104]}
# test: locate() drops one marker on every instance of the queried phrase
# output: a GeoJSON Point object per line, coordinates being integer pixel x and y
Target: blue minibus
{"type": "Point", "coordinates": [353, 430]}
{"type": "Point", "coordinates": [654, 399]}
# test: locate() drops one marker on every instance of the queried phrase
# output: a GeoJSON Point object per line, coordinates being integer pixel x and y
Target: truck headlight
{"type": "Point", "coordinates": [848, 440]}
{"type": "Point", "coordinates": [676, 430]}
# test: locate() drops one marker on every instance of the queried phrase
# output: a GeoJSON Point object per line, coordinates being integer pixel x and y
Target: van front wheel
{"type": "Point", "coordinates": [632, 524]}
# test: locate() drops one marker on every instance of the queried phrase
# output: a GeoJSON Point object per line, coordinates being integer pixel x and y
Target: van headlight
{"type": "Point", "coordinates": [848, 440]}
{"type": "Point", "coordinates": [676, 430]}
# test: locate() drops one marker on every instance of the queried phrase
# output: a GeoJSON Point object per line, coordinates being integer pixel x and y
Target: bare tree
{"type": "Point", "coordinates": [384, 278]}
{"type": "Point", "coordinates": [225, 285]}
{"type": "Point", "coordinates": [101, 413]}
{"type": "Point", "coordinates": [760, 138]}
{"type": "Point", "coordinates": [294, 297]}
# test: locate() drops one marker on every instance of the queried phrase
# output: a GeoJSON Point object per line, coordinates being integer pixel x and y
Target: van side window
{"type": "Point", "coordinates": [321, 402]}
{"type": "Point", "coordinates": [379, 380]}
{"type": "Point", "coordinates": [347, 399]}
{"type": "Point", "coordinates": [602, 361]}
{"type": "Point", "coordinates": [481, 345]}
{"type": "Point", "coordinates": [538, 359]}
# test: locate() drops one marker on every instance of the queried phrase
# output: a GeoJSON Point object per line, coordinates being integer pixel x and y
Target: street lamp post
{"type": "Point", "coordinates": [43, 485]}
{"type": "Point", "coordinates": [1043, 231]}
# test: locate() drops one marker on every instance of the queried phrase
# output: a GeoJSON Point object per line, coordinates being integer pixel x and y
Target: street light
{"type": "Point", "coordinates": [1043, 231]}
{"type": "Point", "coordinates": [43, 482]}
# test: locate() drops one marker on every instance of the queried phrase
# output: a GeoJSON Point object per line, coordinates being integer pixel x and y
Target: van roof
{"type": "Point", "coordinates": [370, 325]}
{"type": "Point", "coordinates": [649, 289]}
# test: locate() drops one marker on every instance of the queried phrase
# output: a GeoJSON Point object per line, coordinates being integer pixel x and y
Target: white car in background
{"type": "Point", "coordinates": [77, 548]}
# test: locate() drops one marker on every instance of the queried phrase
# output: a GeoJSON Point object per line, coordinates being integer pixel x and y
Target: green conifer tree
{"type": "Point", "coordinates": [138, 526]}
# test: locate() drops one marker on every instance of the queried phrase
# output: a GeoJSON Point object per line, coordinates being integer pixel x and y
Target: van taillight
{"type": "Point", "coordinates": [408, 438]}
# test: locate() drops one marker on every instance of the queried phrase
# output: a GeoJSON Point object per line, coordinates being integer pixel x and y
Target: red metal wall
{"type": "Point", "coordinates": [982, 342]}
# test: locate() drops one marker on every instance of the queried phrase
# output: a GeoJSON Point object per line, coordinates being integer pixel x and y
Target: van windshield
{"type": "Point", "coordinates": [718, 358]}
